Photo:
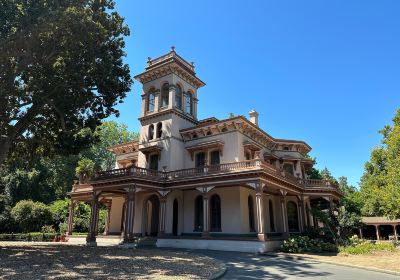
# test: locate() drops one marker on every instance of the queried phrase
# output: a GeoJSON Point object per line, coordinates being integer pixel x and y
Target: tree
{"type": "Point", "coordinates": [380, 184]}
{"type": "Point", "coordinates": [61, 70]}
{"type": "Point", "coordinates": [31, 216]}
{"type": "Point", "coordinates": [109, 134]}
{"type": "Point", "coordinates": [351, 200]}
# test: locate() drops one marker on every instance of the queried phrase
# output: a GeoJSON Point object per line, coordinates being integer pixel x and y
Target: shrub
{"type": "Point", "coordinates": [48, 229]}
{"type": "Point", "coordinates": [302, 244]}
{"type": "Point", "coordinates": [33, 236]}
{"type": "Point", "coordinates": [367, 248]}
{"type": "Point", "coordinates": [59, 211]}
{"type": "Point", "coordinates": [31, 216]}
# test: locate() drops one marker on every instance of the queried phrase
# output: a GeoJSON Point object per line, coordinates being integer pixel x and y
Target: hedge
{"type": "Point", "coordinates": [33, 236]}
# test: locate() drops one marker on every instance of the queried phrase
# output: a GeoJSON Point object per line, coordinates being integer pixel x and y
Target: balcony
{"type": "Point", "coordinates": [213, 170]}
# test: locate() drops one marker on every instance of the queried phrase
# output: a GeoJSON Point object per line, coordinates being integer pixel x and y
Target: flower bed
{"type": "Point", "coordinates": [33, 236]}
{"type": "Point", "coordinates": [303, 244]}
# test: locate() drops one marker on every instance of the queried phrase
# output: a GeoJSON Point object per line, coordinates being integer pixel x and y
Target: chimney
{"type": "Point", "coordinates": [253, 117]}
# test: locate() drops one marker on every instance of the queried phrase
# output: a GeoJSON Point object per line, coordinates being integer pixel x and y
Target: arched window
{"type": "Point", "coordinates": [200, 159]}
{"type": "Point", "coordinates": [292, 216]}
{"type": "Point", "coordinates": [198, 213]}
{"type": "Point", "coordinates": [188, 103]}
{"type": "Point", "coordinates": [159, 130]}
{"type": "Point", "coordinates": [215, 157]}
{"type": "Point", "coordinates": [215, 206]}
{"type": "Point", "coordinates": [165, 95]}
{"type": "Point", "coordinates": [151, 100]}
{"type": "Point", "coordinates": [251, 213]}
{"type": "Point", "coordinates": [271, 216]}
{"type": "Point", "coordinates": [288, 168]}
{"type": "Point", "coordinates": [151, 132]}
{"type": "Point", "coordinates": [178, 97]}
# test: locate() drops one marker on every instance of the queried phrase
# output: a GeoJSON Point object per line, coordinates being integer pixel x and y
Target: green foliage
{"type": "Point", "coordinates": [303, 244]}
{"type": "Point", "coordinates": [85, 169]}
{"type": "Point", "coordinates": [33, 236]}
{"type": "Point", "coordinates": [47, 229]}
{"type": "Point", "coordinates": [62, 71]}
{"type": "Point", "coordinates": [380, 184]}
{"type": "Point", "coordinates": [352, 199]}
{"type": "Point", "coordinates": [367, 248]}
{"type": "Point", "coordinates": [59, 210]}
{"type": "Point", "coordinates": [31, 216]}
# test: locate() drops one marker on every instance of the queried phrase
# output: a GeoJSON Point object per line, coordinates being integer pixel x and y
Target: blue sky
{"type": "Point", "coordinates": [326, 72]}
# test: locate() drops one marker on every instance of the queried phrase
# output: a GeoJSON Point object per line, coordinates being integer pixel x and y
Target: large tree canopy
{"type": "Point", "coordinates": [380, 184]}
{"type": "Point", "coordinates": [61, 70]}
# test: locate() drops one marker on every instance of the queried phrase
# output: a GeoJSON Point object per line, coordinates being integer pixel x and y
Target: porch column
{"type": "Point", "coordinates": [206, 216]}
{"type": "Point", "coordinates": [302, 213]}
{"type": "Point", "coordinates": [94, 217]}
{"type": "Point", "coordinates": [163, 207]}
{"type": "Point", "coordinates": [108, 216]}
{"type": "Point", "coordinates": [361, 233]}
{"type": "Point", "coordinates": [284, 215]}
{"type": "Point", "coordinates": [71, 217]}
{"type": "Point", "coordinates": [129, 216]}
{"type": "Point", "coordinates": [377, 232]}
{"type": "Point", "coordinates": [262, 236]}
{"type": "Point", "coordinates": [395, 232]}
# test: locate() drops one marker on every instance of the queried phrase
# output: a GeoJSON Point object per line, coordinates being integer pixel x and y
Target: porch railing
{"type": "Point", "coordinates": [212, 170]}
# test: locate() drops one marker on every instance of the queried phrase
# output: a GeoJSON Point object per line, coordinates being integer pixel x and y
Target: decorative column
{"type": "Point", "coordinates": [206, 216]}
{"type": "Point", "coordinates": [284, 214]}
{"type": "Point", "coordinates": [262, 236]}
{"type": "Point", "coordinates": [163, 208]}
{"type": "Point", "coordinates": [377, 232]}
{"type": "Point", "coordinates": [129, 216]}
{"type": "Point", "coordinates": [71, 217]}
{"type": "Point", "coordinates": [361, 232]}
{"type": "Point", "coordinates": [108, 217]}
{"type": "Point", "coordinates": [94, 217]}
{"type": "Point", "coordinates": [396, 237]}
{"type": "Point", "coordinates": [300, 206]}
{"type": "Point", "coordinates": [171, 101]}
{"type": "Point", "coordinates": [206, 210]}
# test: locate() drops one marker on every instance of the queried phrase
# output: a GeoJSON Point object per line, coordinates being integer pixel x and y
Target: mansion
{"type": "Point", "coordinates": [206, 184]}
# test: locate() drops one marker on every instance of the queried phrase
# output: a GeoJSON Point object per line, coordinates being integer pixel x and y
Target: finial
{"type": "Point", "coordinates": [149, 60]}
{"type": "Point", "coordinates": [172, 48]}
{"type": "Point", "coordinates": [192, 63]}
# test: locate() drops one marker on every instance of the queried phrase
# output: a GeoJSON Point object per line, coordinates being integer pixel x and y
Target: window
{"type": "Point", "coordinates": [248, 156]}
{"type": "Point", "coordinates": [151, 132]}
{"type": "Point", "coordinates": [198, 213]}
{"type": "Point", "coordinates": [286, 148]}
{"type": "Point", "coordinates": [165, 95]}
{"type": "Point", "coordinates": [200, 159]}
{"type": "Point", "coordinates": [178, 97]}
{"type": "Point", "coordinates": [292, 216]}
{"type": "Point", "coordinates": [153, 165]}
{"type": "Point", "coordinates": [215, 157]}
{"type": "Point", "coordinates": [251, 213]}
{"type": "Point", "coordinates": [151, 101]}
{"type": "Point", "coordinates": [271, 216]}
{"type": "Point", "coordinates": [189, 103]}
{"type": "Point", "coordinates": [288, 168]}
{"type": "Point", "coordinates": [159, 130]}
{"type": "Point", "coordinates": [215, 205]}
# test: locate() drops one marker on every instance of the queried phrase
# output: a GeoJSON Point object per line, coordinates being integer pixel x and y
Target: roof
{"type": "Point", "coordinates": [379, 220]}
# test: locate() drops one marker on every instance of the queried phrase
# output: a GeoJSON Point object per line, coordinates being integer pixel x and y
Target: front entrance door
{"type": "Point", "coordinates": [175, 218]}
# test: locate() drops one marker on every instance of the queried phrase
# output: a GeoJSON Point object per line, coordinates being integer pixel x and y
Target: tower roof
{"type": "Point", "coordinates": [167, 64]}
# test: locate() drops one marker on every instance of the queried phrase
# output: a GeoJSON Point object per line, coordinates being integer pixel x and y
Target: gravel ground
{"type": "Point", "coordinates": [48, 261]}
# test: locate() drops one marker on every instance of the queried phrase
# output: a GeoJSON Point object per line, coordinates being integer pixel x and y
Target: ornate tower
{"type": "Point", "coordinates": [169, 104]}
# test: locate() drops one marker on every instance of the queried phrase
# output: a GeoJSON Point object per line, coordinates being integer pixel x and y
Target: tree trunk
{"type": "Point", "coordinates": [5, 144]}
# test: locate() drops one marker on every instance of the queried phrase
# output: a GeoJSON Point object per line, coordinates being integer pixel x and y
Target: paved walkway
{"type": "Point", "coordinates": [249, 266]}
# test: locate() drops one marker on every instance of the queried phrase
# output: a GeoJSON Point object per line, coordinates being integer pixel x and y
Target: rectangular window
{"type": "Point", "coordinates": [200, 159]}
{"type": "Point", "coordinates": [153, 165]}
{"type": "Point", "coordinates": [215, 157]}
{"type": "Point", "coordinates": [151, 102]}
{"type": "Point", "coordinates": [188, 104]}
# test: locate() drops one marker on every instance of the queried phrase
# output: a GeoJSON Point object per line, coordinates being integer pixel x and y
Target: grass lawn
{"type": "Point", "coordinates": [24, 260]}
{"type": "Point", "coordinates": [377, 259]}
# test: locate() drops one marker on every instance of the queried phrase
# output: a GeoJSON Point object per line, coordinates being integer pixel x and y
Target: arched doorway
{"type": "Point", "coordinates": [292, 216]}
{"type": "Point", "coordinates": [152, 213]}
{"type": "Point", "coordinates": [175, 218]}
